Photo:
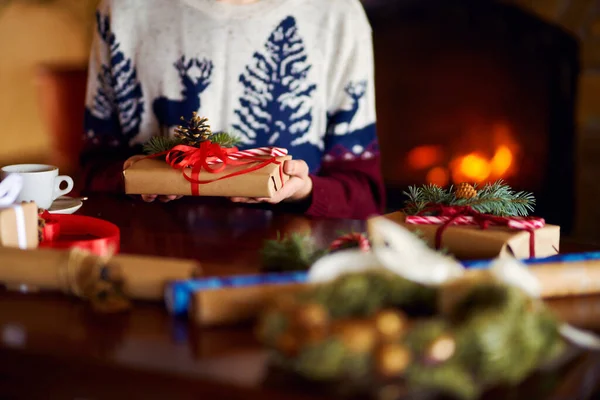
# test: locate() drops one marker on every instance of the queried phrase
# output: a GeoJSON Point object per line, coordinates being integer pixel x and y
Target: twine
{"type": "Point", "coordinates": [76, 260]}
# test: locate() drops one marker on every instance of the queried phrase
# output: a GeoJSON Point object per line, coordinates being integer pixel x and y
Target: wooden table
{"type": "Point", "coordinates": [52, 346]}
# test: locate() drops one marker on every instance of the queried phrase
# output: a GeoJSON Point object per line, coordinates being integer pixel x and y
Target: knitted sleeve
{"type": "Point", "coordinates": [349, 183]}
{"type": "Point", "coordinates": [113, 109]}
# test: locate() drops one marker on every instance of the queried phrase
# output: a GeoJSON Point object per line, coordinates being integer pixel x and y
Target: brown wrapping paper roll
{"type": "Point", "coordinates": [568, 279]}
{"type": "Point", "coordinates": [144, 277]}
{"type": "Point", "coordinates": [151, 176]}
{"type": "Point", "coordinates": [235, 305]}
{"type": "Point", "coordinates": [471, 242]}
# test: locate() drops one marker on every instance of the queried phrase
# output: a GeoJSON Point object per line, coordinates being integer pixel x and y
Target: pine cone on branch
{"type": "Point", "coordinates": [197, 130]}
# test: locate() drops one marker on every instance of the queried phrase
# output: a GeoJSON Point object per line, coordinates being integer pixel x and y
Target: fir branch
{"type": "Point", "coordinates": [496, 198]}
{"type": "Point", "coordinates": [499, 199]}
{"type": "Point", "coordinates": [421, 197]}
{"type": "Point", "coordinates": [158, 144]}
{"type": "Point", "coordinates": [225, 139]}
{"type": "Point", "coordinates": [296, 252]}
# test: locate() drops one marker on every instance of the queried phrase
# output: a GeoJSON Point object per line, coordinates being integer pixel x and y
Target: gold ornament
{"type": "Point", "coordinates": [358, 336]}
{"type": "Point", "coordinates": [465, 191]}
{"type": "Point", "coordinates": [311, 316]}
{"type": "Point", "coordinates": [441, 349]}
{"type": "Point", "coordinates": [392, 359]}
{"type": "Point", "coordinates": [390, 324]}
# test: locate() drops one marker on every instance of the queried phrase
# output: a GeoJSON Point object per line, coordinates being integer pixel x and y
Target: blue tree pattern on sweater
{"type": "Point", "coordinates": [169, 112]}
{"type": "Point", "coordinates": [118, 104]}
{"type": "Point", "coordinates": [275, 108]}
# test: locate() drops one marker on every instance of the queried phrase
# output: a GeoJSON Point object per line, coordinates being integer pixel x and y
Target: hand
{"type": "Point", "coordinates": [298, 187]}
{"type": "Point", "coordinates": [148, 198]}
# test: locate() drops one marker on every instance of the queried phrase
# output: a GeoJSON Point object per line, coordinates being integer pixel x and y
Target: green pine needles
{"type": "Point", "coordinates": [159, 144]}
{"type": "Point", "coordinates": [496, 198]}
{"type": "Point", "coordinates": [296, 252]}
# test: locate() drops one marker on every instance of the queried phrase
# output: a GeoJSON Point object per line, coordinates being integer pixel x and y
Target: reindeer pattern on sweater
{"type": "Point", "coordinates": [272, 73]}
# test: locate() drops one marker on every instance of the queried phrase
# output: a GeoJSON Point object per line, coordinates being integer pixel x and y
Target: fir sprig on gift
{"type": "Point", "coordinates": [193, 133]}
{"type": "Point", "coordinates": [160, 144]}
{"type": "Point", "coordinates": [225, 139]}
{"type": "Point", "coordinates": [496, 198]}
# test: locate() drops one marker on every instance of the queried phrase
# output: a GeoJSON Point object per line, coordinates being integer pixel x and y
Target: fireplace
{"type": "Point", "coordinates": [476, 91]}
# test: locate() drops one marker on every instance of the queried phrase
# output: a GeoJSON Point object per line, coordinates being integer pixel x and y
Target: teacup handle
{"type": "Point", "coordinates": [58, 181]}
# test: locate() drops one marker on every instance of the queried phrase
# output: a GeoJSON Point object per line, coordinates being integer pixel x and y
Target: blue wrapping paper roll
{"type": "Point", "coordinates": [178, 294]}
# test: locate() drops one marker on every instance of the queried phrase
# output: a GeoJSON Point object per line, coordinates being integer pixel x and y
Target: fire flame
{"type": "Point", "coordinates": [474, 166]}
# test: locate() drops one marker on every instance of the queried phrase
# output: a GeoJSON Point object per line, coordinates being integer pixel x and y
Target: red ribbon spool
{"type": "Point", "coordinates": [76, 231]}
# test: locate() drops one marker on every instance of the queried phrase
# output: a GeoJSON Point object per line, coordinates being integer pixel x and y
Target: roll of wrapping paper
{"type": "Point", "coordinates": [178, 295]}
{"type": "Point", "coordinates": [235, 304]}
{"type": "Point", "coordinates": [205, 299]}
{"type": "Point", "coordinates": [144, 278]}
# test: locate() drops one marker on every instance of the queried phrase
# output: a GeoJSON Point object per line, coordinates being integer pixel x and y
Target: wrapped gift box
{"type": "Point", "coordinates": [154, 176]}
{"type": "Point", "coordinates": [19, 226]}
{"type": "Point", "coordinates": [469, 242]}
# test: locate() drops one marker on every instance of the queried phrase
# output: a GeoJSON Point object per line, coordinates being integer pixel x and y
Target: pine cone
{"type": "Point", "coordinates": [197, 130]}
{"type": "Point", "coordinates": [465, 191]}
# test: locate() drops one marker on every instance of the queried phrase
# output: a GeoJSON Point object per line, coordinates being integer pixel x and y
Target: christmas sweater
{"type": "Point", "coordinates": [296, 74]}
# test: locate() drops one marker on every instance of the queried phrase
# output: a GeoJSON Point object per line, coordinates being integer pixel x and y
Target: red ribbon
{"type": "Point", "coordinates": [198, 158]}
{"type": "Point", "coordinates": [351, 240]}
{"type": "Point", "coordinates": [483, 220]}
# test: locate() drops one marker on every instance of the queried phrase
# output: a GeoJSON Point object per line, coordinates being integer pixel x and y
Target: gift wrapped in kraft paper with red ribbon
{"type": "Point", "coordinates": [470, 235]}
{"type": "Point", "coordinates": [209, 170]}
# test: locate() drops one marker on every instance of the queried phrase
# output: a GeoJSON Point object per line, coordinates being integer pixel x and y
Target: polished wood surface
{"type": "Point", "coordinates": [52, 346]}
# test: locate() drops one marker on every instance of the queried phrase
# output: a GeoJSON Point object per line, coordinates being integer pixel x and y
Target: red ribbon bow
{"type": "Point", "coordinates": [483, 220]}
{"type": "Point", "coordinates": [214, 159]}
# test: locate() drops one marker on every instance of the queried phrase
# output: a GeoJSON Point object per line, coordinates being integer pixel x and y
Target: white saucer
{"type": "Point", "coordinates": [65, 205]}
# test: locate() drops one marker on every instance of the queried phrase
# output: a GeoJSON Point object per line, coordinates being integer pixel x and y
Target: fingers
{"type": "Point", "coordinates": [245, 200]}
{"type": "Point", "coordinates": [166, 199]}
{"type": "Point", "coordinates": [291, 187]}
{"type": "Point", "coordinates": [149, 198]}
{"type": "Point", "coordinates": [297, 168]}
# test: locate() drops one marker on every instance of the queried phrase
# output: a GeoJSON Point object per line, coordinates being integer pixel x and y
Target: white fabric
{"type": "Point", "coordinates": [10, 187]}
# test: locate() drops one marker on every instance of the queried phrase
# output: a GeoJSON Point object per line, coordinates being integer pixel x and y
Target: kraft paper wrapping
{"type": "Point", "coordinates": [8, 226]}
{"type": "Point", "coordinates": [236, 304]}
{"type": "Point", "coordinates": [67, 271]}
{"type": "Point", "coordinates": [232, 305]}
{"type": "Point", "coordinates": [152, 176]}
{"type": "Point", "coordinates": [471, 242]}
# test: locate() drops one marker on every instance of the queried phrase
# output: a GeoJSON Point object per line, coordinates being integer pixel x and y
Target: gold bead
{"type": "Point", "coordinates": [392, 359]}
{"type": "Point", "coordinates": [390, 324]}
{"type": "Point", "coordinates": [311, 315]}
{"type": "Point", "coordinates": [441, 349]}
{"type": "Point", "coordinates": [358, 336]}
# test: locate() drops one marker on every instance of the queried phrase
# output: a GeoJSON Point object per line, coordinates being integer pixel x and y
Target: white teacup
{"type": "Point", "coordinates": [41, 183]}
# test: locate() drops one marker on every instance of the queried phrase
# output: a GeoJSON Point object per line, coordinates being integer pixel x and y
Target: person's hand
{"type": "Point", "coordinates": [297, 188]}
{"type": "Point", "coordinates": [148, 197]}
